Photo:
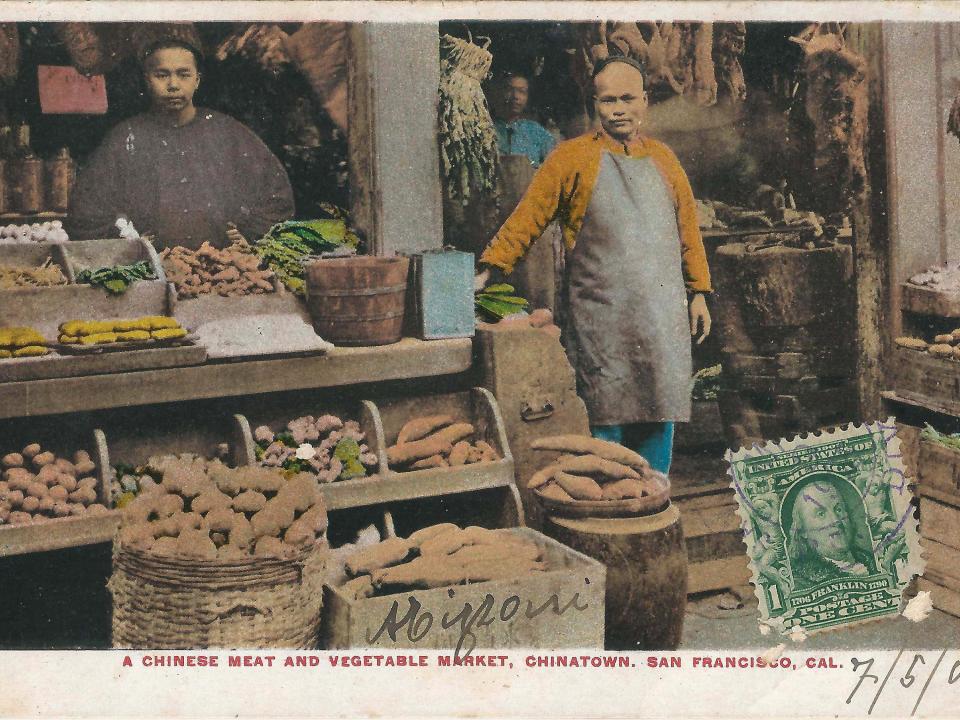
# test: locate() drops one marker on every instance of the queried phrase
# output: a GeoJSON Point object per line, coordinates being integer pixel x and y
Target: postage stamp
{"type": "Point", "coordinates": [829, 526]}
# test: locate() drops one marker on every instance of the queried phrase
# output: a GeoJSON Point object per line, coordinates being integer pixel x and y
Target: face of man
{"type": "Point", "coordinates": [516, 95]}
{"type": "Point", "coordinates": [620, 100]}
{"type": "Point", "coordinates": [172, 79]}
{"type": "Point", "coordinates": [822, 512]}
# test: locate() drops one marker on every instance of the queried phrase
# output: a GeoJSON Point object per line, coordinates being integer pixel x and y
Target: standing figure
{"type": "Point", "coordinates": [516, 133]}
{"type": "Point", "coordinates": [179, 173]}
{"type": "Point", "coordinates": [636, 271]}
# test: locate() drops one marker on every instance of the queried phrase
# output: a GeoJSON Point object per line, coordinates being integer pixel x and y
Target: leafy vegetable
{"type": "Point", "coordinates": [707, 382]}
{"type": "Point", "coordinates": [495, 302]}
{"type": "Point", "coordinates": [115, 280]}
{"type": "Point", "coordinates": [933, 435]}
{"type": "Point", "coordinates": [286, 244]}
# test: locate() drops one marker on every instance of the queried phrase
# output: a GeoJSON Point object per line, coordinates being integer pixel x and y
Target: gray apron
{"type": "Point", "coordinates": [628, 333]}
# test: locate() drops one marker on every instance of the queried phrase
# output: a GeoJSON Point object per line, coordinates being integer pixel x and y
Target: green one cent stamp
{"type": "Point", "coordinates": [829, 527]}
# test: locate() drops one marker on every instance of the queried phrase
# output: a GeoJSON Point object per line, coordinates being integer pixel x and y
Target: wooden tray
{"type": "Point", "coordinates": [57, 533]}
{"type": "Point", "coordinates": [55, 365]}
{"type": "Point", "coordinates": [919, 377]}
{"type": "Point", "coordinates": [99, 349]}
{"type": "Point", "coordinates": [349, 623]}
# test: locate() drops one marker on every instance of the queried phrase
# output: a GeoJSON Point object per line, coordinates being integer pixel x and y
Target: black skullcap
{"type": "Point", "coordinates": [610, 59]}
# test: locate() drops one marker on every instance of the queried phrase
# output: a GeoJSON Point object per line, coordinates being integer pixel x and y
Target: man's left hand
{"type": "Point", "coordinates": [699, 317]}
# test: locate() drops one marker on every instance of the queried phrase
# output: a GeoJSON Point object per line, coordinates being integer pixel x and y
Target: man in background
{"type": "Point", "coordinates": [516, 133]}
{"type": "Point", "coordinates": [179, 173]}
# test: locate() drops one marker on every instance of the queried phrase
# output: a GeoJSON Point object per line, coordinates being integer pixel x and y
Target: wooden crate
{"type": "Point", "coordinates": [940, 522]}
{"type": "Point", "coordinates": [938, 469]}
{"type": "Point", "coordinates": [920, 377]}
{"type": "Point", "coordinates": [926, 301]}
{"type": "Point", "coordinates": [788, 365]}
{"type": "Point", "coordinates": [943, 598]}
{"type": "Point", "coordinates": [478, 407]}
{"type": "Point", "coordinates": [909, 437]}
{"type": "Point", "coordinates": [571, 576]}
{"type": "Point", "coordinates": [943, 564]}
{"type": "Point", "coordinates": [57, 533]}
{"type": "Point", "coordinates": [343, 493]}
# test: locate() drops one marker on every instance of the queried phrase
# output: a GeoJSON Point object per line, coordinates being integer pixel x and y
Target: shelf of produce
{"type": "Point", "coordinates": [394, 488]}
{"type": "Point", "coordinates": [405, 360]}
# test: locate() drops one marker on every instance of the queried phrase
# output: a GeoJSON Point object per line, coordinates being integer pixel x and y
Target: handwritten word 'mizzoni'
{"type": "Point", "coordinates": [419, 622]}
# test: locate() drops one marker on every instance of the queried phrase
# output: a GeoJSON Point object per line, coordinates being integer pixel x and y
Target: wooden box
{"type": "Point", "coordinates": [920, 377]}
{"type": "Point", "coordinates": [478, 407]}
{"type": "Point", "coordinates": [342, 493]}
{"type": "Point", "coordinates": [57, 533]}
{"type": "Point", "coordinates": [938, 469]}
{"type": "Point", "coordinates": [926, 301]}
{"type": "Point", "coordinates": [577, 582]}
{"type": "Point", "coordinates": [443, 293]}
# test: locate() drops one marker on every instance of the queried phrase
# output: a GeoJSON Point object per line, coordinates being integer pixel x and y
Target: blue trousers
{"type": "Point", "coordinates": [653, 440]}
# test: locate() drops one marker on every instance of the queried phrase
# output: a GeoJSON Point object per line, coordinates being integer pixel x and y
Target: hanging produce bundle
{"type": "Point", "coordinates": [496, 302]}
{"type": "Point", "coordinates": [116, 279]}
{"type": "Point", "coordinates": [287, 244]}
{"type": "Point", "coordinates": [468, 140]}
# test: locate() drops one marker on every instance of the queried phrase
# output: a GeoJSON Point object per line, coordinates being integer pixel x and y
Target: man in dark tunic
{"type": "Point", "coordinates": [180, 173]}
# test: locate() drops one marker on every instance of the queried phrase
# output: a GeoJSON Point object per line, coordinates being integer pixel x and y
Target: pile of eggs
{"type": "Point", "coordinates": [46, 232]}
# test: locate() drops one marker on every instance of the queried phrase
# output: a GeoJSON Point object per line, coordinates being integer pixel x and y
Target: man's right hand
{"type": "Point", "coordinates": [481, 279]}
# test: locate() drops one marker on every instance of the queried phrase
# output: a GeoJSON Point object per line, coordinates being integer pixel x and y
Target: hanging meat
{"type": "Point", "coordinates": [319, 51]}
{"type": "Point", "coordinates": [643, 42]}
{"type": "Point", "coordinates": [836, 104]}
{"type": "Point", "coordinates": [93, 48]}
{"type": "Point", "coordinates": [729, 43]}
{"type": "Point", "coordinates": [9, 53]}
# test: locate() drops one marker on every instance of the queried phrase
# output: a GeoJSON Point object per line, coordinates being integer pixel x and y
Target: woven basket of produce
{"type": "Point", "coordinates": [598, 479]}
{"type": "Point", "coordinates": [212, 556]}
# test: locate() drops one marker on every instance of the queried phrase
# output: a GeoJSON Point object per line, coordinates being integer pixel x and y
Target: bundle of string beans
{"type": "Point", "coordinates": [468, 140]}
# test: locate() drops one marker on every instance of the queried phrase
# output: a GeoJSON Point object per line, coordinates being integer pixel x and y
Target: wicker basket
{"type": "Point", "coordinates": [165, 602]}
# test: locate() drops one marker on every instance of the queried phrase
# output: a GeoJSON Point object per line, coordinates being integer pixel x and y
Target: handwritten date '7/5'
{"type": "Point", "coordinates": [910, 672]}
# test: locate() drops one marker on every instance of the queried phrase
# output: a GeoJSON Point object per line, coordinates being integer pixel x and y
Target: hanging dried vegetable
{"type": "Point", "coordinates": [468, 140]}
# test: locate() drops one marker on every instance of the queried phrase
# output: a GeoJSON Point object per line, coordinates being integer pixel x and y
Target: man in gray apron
{"type": "Point", "coordinates": [634, 255]}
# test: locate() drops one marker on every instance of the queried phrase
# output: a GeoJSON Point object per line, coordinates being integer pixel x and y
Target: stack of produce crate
{"type": "Point", "coordinates": [786, 324]}
{"type": "Point", "coordinates": [939, 489]}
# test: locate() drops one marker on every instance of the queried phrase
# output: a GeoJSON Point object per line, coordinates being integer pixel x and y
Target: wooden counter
{"type": "Point", "coordinates": [408, 359]}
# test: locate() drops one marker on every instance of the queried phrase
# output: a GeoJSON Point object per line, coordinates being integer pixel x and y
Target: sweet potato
{"type": "Point", "coordinates": [12, 460]}
{"type": "Point", "coordinates": [299, 534]}
{"type": "Point", "coordinates": [552, 491]}
{"type": "Point", "coordinates": [623, 489]}
{"type": "Point", "coordinates": [487, 452]}
{"type": "Point", "coordinates": [583, 445]}
{"type": "Point", "coordinates": [434, 461]}
{"type": "Point", "coordinates": [316, 517]}
{"type": "Point", "coordinates": [418, 450]}
{"type": "Point", "coordinates": [389, 552]}
{"type": "Point", "coordinates": [594, 466]}
{"type": "Point", "coordinates": [500, 570]}
{"type": "Point", "coordinates": [419, 428]}
{"type": "Point", "coordinates": [454, 433]}
{"type": "Point", "coordinates": [421, 536]}
{"type": "Point", "coordinates": [424, 572]}
{"type": "Point", "coordinates": [494, 552]}
{"type": "Point", "coordinates": [458, 456]}
{"type": "Point", "coordinates": [443, 543]}
{"type": "Point", "coordinates": [358, 588]}
{"type": "Point", "coordinates": [48, 475]}
{"type": "Point", "coordinates": [941, 351]}
{"type": "Point", "coordinates": [542, 476]}
{"type": "Point", "coordinates": [579, 487]}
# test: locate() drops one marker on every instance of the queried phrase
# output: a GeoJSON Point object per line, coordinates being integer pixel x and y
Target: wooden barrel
{"type": "Point", "coordinates": [357, 300]}
{"type": "Point", "coordinates": [646, 563]}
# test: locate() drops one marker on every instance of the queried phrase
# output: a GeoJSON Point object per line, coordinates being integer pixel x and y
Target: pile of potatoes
{"type": "Point", "coordinates": [233, 271]}
{"type": "Point", "coordinates": [592, 469]}
{"type": "Point", "coordinates": [437, 441]}
{"type": "Point", "coordinates": [205, 510]}
{"type": "Point", "coordinates": [440, 556]}
{"type": "Point", "coordinates": [38, 486]}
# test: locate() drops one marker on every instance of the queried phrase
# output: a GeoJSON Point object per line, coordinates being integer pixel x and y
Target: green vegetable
{"type": "Point", "coordinates": [495, 302]}
{"type": "Point", "coordinates": [348, 452]}
{"type": "Point", "coordinates": [707, 382]}
{"type": "Point", "coordinates": [115, 280]}
{"type": "Point", "coordinates": [930, 433]}
{"type": "Point", "coordinates": [286, 244]}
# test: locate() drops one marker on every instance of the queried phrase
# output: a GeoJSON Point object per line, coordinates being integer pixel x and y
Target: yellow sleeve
{"type": "Point", "coordinates": [530, 218]}
{"type": "Point", "coordinates": [693, 257]}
